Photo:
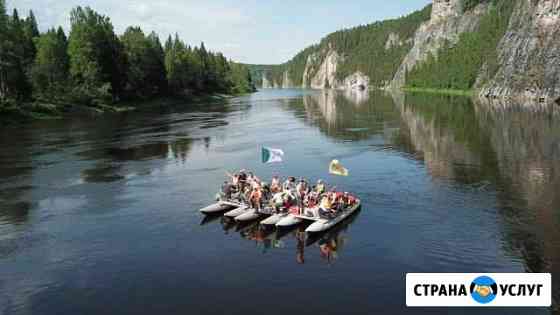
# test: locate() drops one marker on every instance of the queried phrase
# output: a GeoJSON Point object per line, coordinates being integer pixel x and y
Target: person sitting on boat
{"type": "Point", "coordinates": [290, 184]}
{"type": "Point", "coordinates": [302, 187]}
{"type": "Point", "coordinates": [312, 199]}
{"type": "Point", "coordinates": [227, 190]}
{"type": "Point", "coordinates": [325, 207]}
{"type": "Point", "coordinates": [350, 200]}
{"type": "Point", "coordinates": [277, 201]}
{"type": "Point", "coordinates": [339, 201]}
{"type": "Point", "coordinates": [320, 188]}
{"type": "Point", "coordinates": [275, 185]}
{"type": "Point", "coordinates": [255, 199]}
{"type": "Point", "coordinates": [288, 201]}
{"type": "Point", "coordinates": [267, 193]}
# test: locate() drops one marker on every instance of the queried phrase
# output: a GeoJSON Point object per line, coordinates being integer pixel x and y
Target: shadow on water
{"type": "Point", "coordinates": [208, 219]}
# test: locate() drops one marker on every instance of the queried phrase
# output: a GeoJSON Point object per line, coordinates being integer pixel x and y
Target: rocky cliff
{"type": "Point", "coordinates": [529, 54]}
{"type": "Point", "coordinates": [527, 63]}
{"type": "Point", "coordinates": [446, 24]}
{"type": "Point", "coordinates": [325, 75]}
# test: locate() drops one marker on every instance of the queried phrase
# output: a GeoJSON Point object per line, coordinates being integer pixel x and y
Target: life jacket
{"type": "Point", "coordinates": [256, 195]}
{"type": "Point", "coordinates": [326, 203]}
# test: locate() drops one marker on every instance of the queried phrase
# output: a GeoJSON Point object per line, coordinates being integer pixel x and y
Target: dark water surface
{"type": "Point", "coordinates": [100, 216]}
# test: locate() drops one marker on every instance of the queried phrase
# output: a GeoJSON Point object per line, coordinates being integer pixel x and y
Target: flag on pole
{"type": "Point", "coordinates": [270, 155]}
{"type": "Point", "coordinates": [336, 168]}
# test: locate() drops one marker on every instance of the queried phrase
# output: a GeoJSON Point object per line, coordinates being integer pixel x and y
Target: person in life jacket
{"type": "Point", "coordinates": [255, 199]}
{"type": "Point", "coordinates": [275, 185]}
{"type": "Point", "coordinates": [339, 201]}
{"type": "Point", "coordinates": [351, 200]}
{"type": "Point", "coordinates": [325, 206]}
{"type": "Point", "coordinates": [320, 187]}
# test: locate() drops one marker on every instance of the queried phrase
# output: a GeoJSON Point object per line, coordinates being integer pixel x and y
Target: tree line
{"type": "Point", "coordinates": [93, 65]}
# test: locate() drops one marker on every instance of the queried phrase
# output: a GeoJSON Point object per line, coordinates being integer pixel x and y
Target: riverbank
{"type": "Point", "coordinates": [41, 110]}
{"type": "Point", "coordinates": [469, 93]}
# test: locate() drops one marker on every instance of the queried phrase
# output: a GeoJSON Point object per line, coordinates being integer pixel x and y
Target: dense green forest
{"type": "Point", "coordinates": [458, 66]}
{"type": "Point", "coordinates": [363, 48]}
{"type": "Point", "coordinates": [93, 65]}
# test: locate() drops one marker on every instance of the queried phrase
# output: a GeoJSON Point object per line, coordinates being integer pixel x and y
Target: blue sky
{"type": "Point", "coordinates": [252, 31]}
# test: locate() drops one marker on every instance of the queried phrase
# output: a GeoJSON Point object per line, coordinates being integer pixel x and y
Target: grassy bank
{"type": "Point", "coordinates": [41, 110]}
{"type": "Point", "coordinates": [469, 93]}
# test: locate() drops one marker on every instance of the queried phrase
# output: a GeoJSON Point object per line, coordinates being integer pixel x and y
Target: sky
{"type": "Point", "coordinates": [249, 31]}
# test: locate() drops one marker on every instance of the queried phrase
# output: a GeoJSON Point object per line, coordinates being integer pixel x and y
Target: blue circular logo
{"type": "Point", "coordinates": [484, 289]}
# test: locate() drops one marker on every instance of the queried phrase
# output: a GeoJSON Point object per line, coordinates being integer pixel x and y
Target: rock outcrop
{"type": "Point", "coordinates": [325, 75]}
{"type": "Point", "coordinates": [446, 24]}
{"type": "Point", "coordinates": [356, 81]}
{"type": "Point", "coordinates": [529, 54]}
{"type": "Point", "coordinates": [394, 40]}
{"type": "Point", "coordinates": [265, 82]}
{"type": "Point", "coordinates": [286, 81]}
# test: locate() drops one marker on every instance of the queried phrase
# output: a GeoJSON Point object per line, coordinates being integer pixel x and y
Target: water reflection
{"type": "Point", "coordinates": [350, 115]}
{"type": "Point", "coordinates": [508, 150]}
{"type": "Point", "coordinates": [513, 150]}
{"type": "Point", "coordinates": [327, 245]}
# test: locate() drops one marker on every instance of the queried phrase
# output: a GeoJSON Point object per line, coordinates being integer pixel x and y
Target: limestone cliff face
{"type": "Point", "coordinates": [266, 84]}
{"type": "Point", "coordinates": [325, 75]}
{"type": "Point", "coordinates": [446, 24]}
{"type": "Point", "coordinates": [311, 60]}
{"type": "Point", "coordinates": [393, 40]}
{"type": "Point", "coordinates": [356, 81]}
{"type": "Point", "coordinates": [529, 54]}
{"type": "Point", "coordinates": [286, 81]}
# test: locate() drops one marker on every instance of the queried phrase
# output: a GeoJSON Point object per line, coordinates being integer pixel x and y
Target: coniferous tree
{"type": "Point", "coordinates": [97, 59]}
{"type": "Point", "coordinates": [50, 69]}
{"type": "Point", "coordinates": [145, 72]}
{"type": "Point", "coordinates": [94, 65]}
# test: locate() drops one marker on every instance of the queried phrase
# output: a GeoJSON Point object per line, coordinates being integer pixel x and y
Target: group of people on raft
{"type": "Point", "coordinates": [291, 195]}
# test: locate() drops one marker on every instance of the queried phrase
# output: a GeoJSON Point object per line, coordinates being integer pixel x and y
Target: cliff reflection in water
{"type": "Point", "coordinates": [512, 150]}
{"type": "Point", "coordinates": [348, 115]}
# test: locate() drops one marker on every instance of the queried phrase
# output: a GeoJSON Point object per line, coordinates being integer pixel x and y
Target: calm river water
{"type": "Point", "coordinates": [100, 215]}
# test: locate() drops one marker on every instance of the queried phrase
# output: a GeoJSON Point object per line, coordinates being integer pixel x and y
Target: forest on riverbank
{"type": "Point", "coordinates": [93, 66]}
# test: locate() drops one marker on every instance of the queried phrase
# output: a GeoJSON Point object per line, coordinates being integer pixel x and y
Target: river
{"type": "Point", "coordinates": [100, 215]}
